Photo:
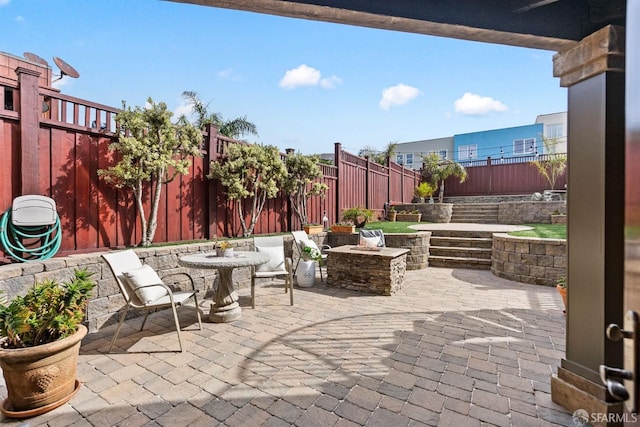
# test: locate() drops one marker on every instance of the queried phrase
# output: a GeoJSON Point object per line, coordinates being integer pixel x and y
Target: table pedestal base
{"type": "Point", "coordinates": [225, 307]}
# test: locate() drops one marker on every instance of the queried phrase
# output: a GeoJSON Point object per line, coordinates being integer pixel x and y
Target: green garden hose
{"type": "Point", "coordinates": [42, 242]}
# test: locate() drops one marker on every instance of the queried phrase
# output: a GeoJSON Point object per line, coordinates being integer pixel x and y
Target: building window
{"type": "Point", "coordinates": [400, 159]}
{"type": "Point", "coordinates": [409, 159]}
{"type": "Point", "coordinates": [441, 153]}
{"type": "Point", "coordinates": [554, 130]}
{"type": "Point", "coordinates": [524, 146]}
{"type": "Point", "coordinates": [467, 152]}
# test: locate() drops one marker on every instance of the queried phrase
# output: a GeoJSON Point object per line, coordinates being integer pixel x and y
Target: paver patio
{"type": "Point", "coordinates": [453, 347]}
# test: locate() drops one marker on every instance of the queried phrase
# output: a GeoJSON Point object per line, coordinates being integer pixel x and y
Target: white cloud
{"type": "Point", "coordinates": [399, 94]}
{"type": "Point", "coordinates": [225, 74]}
{"type": "Point", "coordinates": [19, 18]}
{"type": "Point", "coordinates": [184, 109]}
{"type": "Point", "coordinates": [472, 104]}
{"type": "Point", "coordinates": [4, 2]}
{"type": "Point", "coordinates": [331, 82]}
{"type": "Point", "coordinates": [307, 76]}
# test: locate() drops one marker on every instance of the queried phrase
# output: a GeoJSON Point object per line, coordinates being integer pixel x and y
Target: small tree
{"type": "Point", "coordinates": [299, 186]}
{"type": "Point", "coordinates": [437, 170]}
{"type": "Point", "coordinates": [250, 172]}
{"type": "Point", "coordinates": [153, 152]}
{"type": "Point", "coordinates": [554, 165]}
{"type": "Point", "coordinates": [377, 156]}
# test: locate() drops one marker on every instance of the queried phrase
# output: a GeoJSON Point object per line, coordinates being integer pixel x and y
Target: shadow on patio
{"type": "Point", "coordinates": [453, 347]}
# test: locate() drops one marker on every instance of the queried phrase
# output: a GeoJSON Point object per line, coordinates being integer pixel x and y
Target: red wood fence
{"type": "Point", "coordinates": [502, 177]}
{"type": "Point", "coordinates": [57, 153]}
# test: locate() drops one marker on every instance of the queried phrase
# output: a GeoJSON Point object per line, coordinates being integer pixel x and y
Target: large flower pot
{"type": "Point", "coordinates": [563, 293]}
{"type": "Point", "coordinates": [40, 378]}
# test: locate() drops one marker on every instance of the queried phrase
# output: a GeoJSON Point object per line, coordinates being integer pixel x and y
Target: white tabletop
{"type": "Point", "coordinates": [210, 260]}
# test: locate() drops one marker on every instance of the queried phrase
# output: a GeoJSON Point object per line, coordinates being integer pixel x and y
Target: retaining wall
{"type": "Point", "coordinates": [529, 260]}
{"type": "Point", "coordinates": [529, 212]}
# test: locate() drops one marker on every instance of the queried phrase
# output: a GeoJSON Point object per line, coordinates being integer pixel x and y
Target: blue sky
{"type": "Point", "coordinates": [305, 84]}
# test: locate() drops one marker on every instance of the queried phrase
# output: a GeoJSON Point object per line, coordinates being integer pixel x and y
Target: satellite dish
{"type": "Point", "coordinates": [65, 69]}
{"type": "Point", "coordinates": [35, 58]}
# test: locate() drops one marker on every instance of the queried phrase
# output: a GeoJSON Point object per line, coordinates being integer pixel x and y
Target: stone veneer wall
{"type": "Point", "coordinates": [431, 212]}
{"type": "Point", "coordinates": [529, 260]}
{"type": "Point", "coordinates": [417, 243]}
{"type": "Point", "coordinates": [529, 212]}
{"type": "Point", "coordinates": [15, 279]}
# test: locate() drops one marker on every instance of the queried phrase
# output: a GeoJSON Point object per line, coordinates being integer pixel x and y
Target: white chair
{"type": "Point", "coordinates": [142, 289]}
{"type": "Point", "coordinates": [278, 265]}
{"type": "Point", "coordinates": [302, 240]}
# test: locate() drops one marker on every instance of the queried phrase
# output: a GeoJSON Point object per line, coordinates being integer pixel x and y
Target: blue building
{"type": "Point", "coordinates": [499, 143]}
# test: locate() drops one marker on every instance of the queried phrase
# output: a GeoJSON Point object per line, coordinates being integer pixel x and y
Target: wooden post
{"type": "Point", "coordinates": [30, 110]}
{"type": "Point", "coordinates": [212, 205]}
{"type": "Point", "coordinates": [337, 158]}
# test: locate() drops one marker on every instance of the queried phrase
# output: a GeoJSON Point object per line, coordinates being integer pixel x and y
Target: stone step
{"type": "Point", "coordinates": [484, 219]}
{"type": "Point", "coordinates": [458, 252]}
{"type": "Point", "coordinates": [463, 208]}
{"type": "Point", "coordinates": [475, 263]}
{"type": "Point", "coordinates": [462, 233]}
{"type": "Point", "coordinates": [462, 242]}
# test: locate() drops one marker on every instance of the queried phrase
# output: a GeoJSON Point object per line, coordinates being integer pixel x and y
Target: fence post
{"type": "Point", "coordinates": [490, 173]}
{"type": "Point", "coordinates": [30, 110]}
{"type": "Point", "coordinates": [212, 205]}
{"type": "Point", "coordinates": [337, 158]}
{"type": "Point", "coordinates": [367, 181]}
{"type": "Point", "coordinates": [389, 180]}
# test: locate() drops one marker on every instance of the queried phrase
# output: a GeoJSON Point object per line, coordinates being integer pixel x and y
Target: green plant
{"type": "Point", "coordinates": [562, 282]}
{"type": "Point", "coordinates": [299, 182]}
{"type": "Point", "coordinates": [48, 312]}
{"type": "Point", "coordinates": [424, 190]}
{"type": "Point", "coordinates": [392, 208]}
{"type": "Point", "coordinates": [310, 253]}
{"type": "Point", "coordinates": [153, 150]}
{"type": "Point", "coordinates": [437, 170]}
{"type": "Point", "coordinates": [554, 165]}
{"type": "Point", "coordinates": [225, 244]}
{"type": "Point", "coordinates": [250, 172]}
{"type": "Point", "coordinates": [230, 128]}
{"type": "Point", "coordinates": [358, 216]}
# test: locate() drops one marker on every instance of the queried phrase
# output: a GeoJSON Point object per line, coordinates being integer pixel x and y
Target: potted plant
{"type": "Point", "coordinates": [358, 216]}
{"type": "Point", "coordinates": [558, 217]}
{"type": "Point", "coordinates": [343, 227]}
{"type": "Point", "coordinates": [561, 286]}
{"type": "Point", "coordinates": [391, 215]}
{"type": "Point", "coordinates": [312, 228]}
{"type": "Point", "coordinates": [224, 249]}
{"type": "Point", "coordinates": [41, 334]}
{"type": "Point", "coordinates": [409, 216]}
{"type": "Point", "coordinates": [422, 191]}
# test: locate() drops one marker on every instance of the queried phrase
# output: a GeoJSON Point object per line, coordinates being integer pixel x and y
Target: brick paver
{"type": "Point", "coordinates": [453, 347]}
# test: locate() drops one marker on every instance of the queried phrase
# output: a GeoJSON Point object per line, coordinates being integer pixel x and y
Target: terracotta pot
{"type": "Point", "coordinates": [563, 293]}
{"type": "Point", "coordinates": [343, 228]}
{"type": "Point", "coordinates": [313, 229]}
{"type": "Point", "coordinates": [408, 217]}
{"type": "Point", "coordinates": [42, 375]}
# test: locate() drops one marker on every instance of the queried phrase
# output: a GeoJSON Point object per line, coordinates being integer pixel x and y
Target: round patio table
{"type": "Point", "coordinates": [225, 307]}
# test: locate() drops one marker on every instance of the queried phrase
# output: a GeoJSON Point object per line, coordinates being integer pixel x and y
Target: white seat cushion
{"type": "Point", "coordinates": [369, 242]}
{"type": "Point", "coordinates": [140, 278]}
{"type": "Point", "coordinates": [276, 258]}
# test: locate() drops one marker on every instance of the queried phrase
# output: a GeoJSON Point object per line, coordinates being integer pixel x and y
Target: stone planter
{"type": "Point", "coordinates": [408, 217]}
{"type": "Point", "coordinates": [431, 212]}
{"type": "Point", "coordinates": [343, 228]}
{"type": "Point", "coordinates": [558, 219]}
{"type": "Point", "coordinates": [313, 229]}
{"type": "Point", "coordinates": [40, 378]}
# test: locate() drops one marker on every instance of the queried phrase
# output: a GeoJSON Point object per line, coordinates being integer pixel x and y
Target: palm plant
{"type": "Point", "coordinates": [437, 170]}
{"type": "Point", "coordinates": [234, 129]}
